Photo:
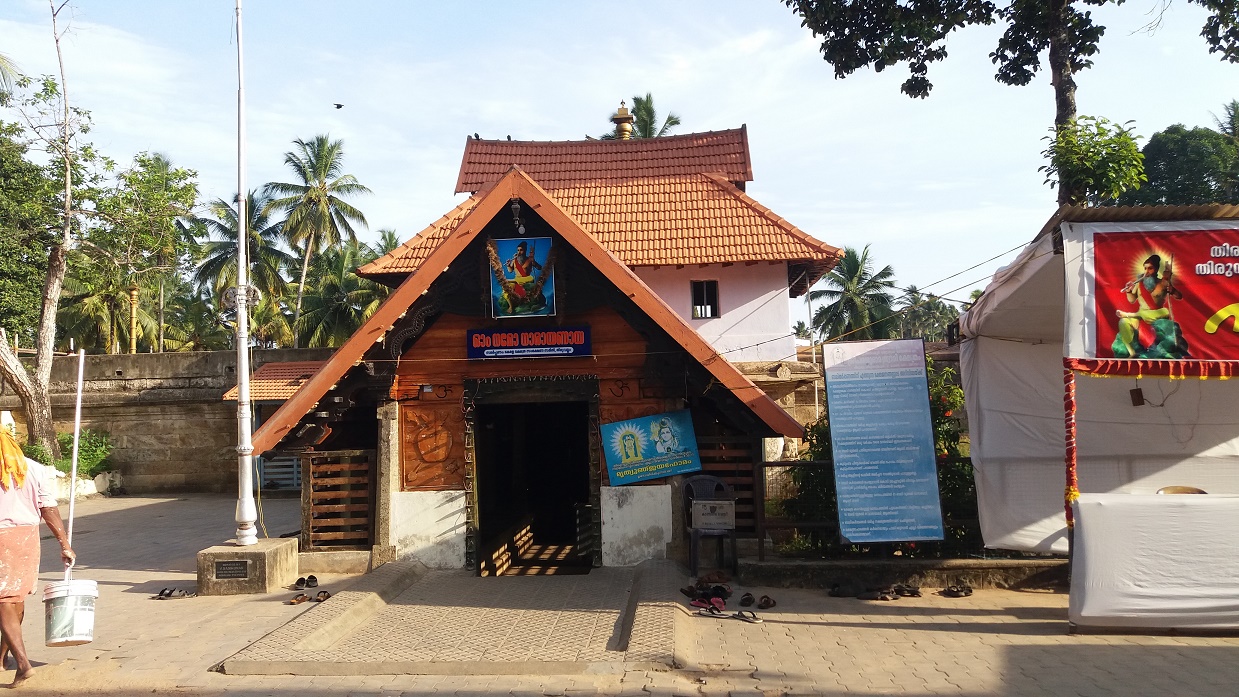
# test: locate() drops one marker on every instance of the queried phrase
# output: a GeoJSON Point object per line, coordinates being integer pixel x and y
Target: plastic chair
{"type": "Point", "coordinates": [704, 487]}
{"type": "Point", "coordinates": [1181, 490]}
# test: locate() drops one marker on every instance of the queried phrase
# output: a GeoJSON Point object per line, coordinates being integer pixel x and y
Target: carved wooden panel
{"type": "Point", "coordinates": [432, 445]}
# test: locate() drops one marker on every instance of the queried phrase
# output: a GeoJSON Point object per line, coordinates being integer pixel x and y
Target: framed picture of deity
{"type": "Point", "coordinates": [522, 277]}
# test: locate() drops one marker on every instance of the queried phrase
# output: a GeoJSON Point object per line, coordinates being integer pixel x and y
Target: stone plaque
{"type": "Point", "coordinates": [232, 568]}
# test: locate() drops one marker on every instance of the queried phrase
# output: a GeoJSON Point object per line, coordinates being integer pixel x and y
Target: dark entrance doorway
{"type": "Point", "coordinates": [533, 485]}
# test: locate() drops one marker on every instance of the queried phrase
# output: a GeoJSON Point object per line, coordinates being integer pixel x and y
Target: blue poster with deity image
{"type": "Point", "coordinates": [650, 447]}
{"type": "Point", "coordinates": [522, 282]}
{"type": "Point", "coordinates": [882, 440]}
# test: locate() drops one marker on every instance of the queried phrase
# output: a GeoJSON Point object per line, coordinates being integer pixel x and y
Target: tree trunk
{"type": "Point", "coordinates": [305, 268]}
{"type": "Point", "coordinates": [1061, 78]}
{"type": "Point", "coordinates": [159, 341]}
{"type": "Point", "coordinates": [35, 403]}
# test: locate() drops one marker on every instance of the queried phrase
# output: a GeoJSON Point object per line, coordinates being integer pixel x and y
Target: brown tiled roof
{"type": "Point", "coordinates": [673, 220]}
{"type": "Point", "coordinates": [277, 381]}
{"type": "Point", "coordinates": [517, 184]}
{"type": "Point", "coordinates": [559, 164]}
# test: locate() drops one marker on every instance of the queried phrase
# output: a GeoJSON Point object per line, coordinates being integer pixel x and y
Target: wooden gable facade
{"type": "Point", "coordinates": [511, 439]}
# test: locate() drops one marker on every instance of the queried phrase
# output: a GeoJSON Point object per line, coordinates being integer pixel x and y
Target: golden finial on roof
{"type": "Point", "coordinates": [623, 122]}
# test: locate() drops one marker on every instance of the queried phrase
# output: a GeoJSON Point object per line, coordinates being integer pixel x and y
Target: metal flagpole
{"type": "Point", "coordinates": [247, 513]}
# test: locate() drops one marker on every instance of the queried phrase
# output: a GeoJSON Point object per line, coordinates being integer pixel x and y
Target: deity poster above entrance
{"type": "Point", "coordinates": [522, 280]}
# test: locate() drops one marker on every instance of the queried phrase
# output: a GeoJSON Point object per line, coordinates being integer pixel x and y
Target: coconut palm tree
{"type": "Point", "coordinates": [197, 324]}
{"type": "Point", "coordinates": [337, 300]}
{"type": "Point", "coordinates": [801, 330]}
{"type": "Point", "coordinates": [269, 324]}
{"type": "Point", "coordinates": [318, 215]}
{"type": "Point", "coordinates": [645, 119]}
{"type": "Point", "coordinates": [218, 269]}
{"type": "Point", "coordinates": [8, 73]}
{"type": "Point", "coordinates": [858, 299]}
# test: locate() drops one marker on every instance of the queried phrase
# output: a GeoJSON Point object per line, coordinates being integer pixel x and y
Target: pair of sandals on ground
{"type": "Point", "coordinates": [709, 595]}
{"type": "Point", "coordinates": [897, 591]}
{"type": "Point", "coordinates": [169, 593]}
{"type": "Point", "coordinates": [310, 581]}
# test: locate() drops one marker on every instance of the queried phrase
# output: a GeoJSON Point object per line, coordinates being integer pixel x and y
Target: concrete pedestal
{"type": "Point", "coordinates": [265, 567]}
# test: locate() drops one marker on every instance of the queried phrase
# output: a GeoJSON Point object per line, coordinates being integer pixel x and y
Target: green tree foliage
{"type": "Point", "coordinates": [339, 301]}
{"type": "Point", "coordinates": [318, 214]}
{"type": "Point", "coordinates": [27, 219]}
{"type": "Point", "coordinates": [267, 258]}
{"type": "Point", "coordinates": [858, 300]}
{"type": "Point", "coordinates": [8, 73]}
{"type": "Point", "coordinates": [882, 33]}
{"type": "Point", "coordinates": [801, 330]}
{"type": "Point", "coordinates": [924, 316]}
{"type": "Point", "coordinates": [1093, 159]}
{"type": "Point", "coordinates": [1186, 167]}
{"type": "Point", "coordinates": [645, 119]}
{"type": "Point", "coordinates": [93, 451]}
{"type": "Point", "coordinates": [197, 324]}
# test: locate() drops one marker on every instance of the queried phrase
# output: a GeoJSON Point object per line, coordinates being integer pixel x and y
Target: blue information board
{"type": "Point", "coordinates": [882, 439]}
{"type": "Point", "coordinates": [650, 447]}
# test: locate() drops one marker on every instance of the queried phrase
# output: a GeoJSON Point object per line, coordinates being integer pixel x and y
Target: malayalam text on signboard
{"type": "Point", "coordinates": [882, 440]}
{"type": "Point", "coordinates": [528, 343]}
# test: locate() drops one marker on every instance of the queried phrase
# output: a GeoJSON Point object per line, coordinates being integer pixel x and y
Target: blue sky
{"type": "Point", "coordinates": [933, 185]}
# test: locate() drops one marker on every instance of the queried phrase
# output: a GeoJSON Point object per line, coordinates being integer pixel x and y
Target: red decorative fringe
{"type": "Point", "coordinates": [1072, 491]}
{"type": "Point", "coordinates": [1168, 368]}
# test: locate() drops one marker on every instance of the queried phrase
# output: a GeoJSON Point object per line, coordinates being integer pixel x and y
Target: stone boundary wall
{"type": "Point", "coordinates": [171, 431]}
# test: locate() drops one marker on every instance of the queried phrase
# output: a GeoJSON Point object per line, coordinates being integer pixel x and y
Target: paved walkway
{"type": "Point", "coordinates": [994, 643]}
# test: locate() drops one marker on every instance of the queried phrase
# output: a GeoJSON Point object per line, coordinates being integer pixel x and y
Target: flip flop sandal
{"type": "Point", "coordinates": [747, 616]}
{"type": "Point", "coordinates": [163, 593]}
{"type": "Point", "coordinates": [715, 577]}
{"type": "Point", "coordinates": [699, 603]}
{"type": "Point", "coordinates": [322, 595]}
{"type": "Point", "coordinates": [178, 593]}
{"type": "Point", "coordinates": [311, 581]}
{"type": "Point", "coordinates": [300, 584]}
{"type": "Point", "coordinates": [690, 592]}
{"type": "Point", "coordinates": [956, 591]}
{"type": "Point", "coordinates": [718, 603]}
{"type": "Point", "coordinates": [765, 603]}
{"type": "Point", "coordinates": [908, 591]}
{"type": "Point", "coordinates": [711, 612]}
{"type": "Point", "coordinates": [747, 599]}
{"type": "Point", "coordinates": [721, 591]}
{"type": "Point", "coordinates": [298, 599]}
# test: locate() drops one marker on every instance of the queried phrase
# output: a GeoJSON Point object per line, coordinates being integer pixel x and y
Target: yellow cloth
{"type": "Point", "coordinates": [12, 460]}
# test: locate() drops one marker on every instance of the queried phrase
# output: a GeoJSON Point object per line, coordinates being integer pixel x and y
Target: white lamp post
{"type": "Point", "coordinates": [247, 513]}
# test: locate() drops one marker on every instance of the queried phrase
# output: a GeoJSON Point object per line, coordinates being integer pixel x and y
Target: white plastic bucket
{"type": "Point", "coordinates": [70, 612]}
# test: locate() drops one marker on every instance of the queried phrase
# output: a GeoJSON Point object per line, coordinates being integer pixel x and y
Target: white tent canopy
{"type": "Point", "coordinates": [1012, 368]}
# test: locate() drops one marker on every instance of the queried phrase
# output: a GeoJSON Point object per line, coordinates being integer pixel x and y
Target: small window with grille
{"type": "Point", "coordinates": [705, 299]}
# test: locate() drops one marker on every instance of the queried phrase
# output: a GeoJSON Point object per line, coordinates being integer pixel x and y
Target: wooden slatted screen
{"type": "Point", "coordinates": [337, 506]}
{"type": "Point", "coordinates": [731, 459]}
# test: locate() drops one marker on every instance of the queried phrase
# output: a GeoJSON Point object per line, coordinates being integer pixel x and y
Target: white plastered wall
{"type": "Point", "coordinates": [636, 524]}
{"type": "Point", "coordinates": [429, 526]}
{"type": "Point", "coordinates": [756, 322]}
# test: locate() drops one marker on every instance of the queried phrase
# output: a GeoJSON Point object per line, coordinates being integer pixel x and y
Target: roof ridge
{"type": "Point", "coordinates": [630, 141]}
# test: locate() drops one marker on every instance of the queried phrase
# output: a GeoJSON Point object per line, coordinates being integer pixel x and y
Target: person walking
{"type": "Point", "coordinates": [25, 498]}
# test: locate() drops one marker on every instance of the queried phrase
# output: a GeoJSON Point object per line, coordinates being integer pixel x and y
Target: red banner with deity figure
{"type": "Point", "coordinates": [1168, 294]}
